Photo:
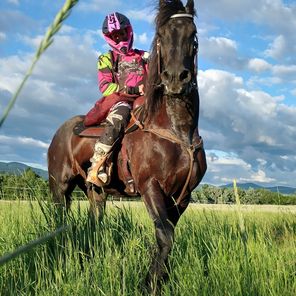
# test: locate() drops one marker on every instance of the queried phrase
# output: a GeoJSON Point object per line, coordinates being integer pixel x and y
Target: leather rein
{"type": "Point", "coordinates": [167, 134]}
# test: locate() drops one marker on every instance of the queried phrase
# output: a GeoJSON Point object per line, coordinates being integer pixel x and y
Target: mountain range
{"type": "Point", "coordinates": [246, 186]}
{"type": "Point", "coordinates": [17, 168]}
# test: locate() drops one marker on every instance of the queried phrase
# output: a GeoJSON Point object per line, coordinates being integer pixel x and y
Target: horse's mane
{"type": "Point", "coordinates": [154, 90]}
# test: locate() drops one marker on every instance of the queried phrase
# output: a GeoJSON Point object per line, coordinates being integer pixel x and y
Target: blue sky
{"type": "Point", "coordinates": [247, 80]}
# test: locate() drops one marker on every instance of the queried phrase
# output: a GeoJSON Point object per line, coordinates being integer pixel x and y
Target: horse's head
{"type": "Point", "coordinates": [176, 44]}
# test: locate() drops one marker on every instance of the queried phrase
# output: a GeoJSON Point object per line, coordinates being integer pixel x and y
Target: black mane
{"type": "Point", "coordinates": [154, 90]}
{"type": "Point", "coordinates": [166, 10]}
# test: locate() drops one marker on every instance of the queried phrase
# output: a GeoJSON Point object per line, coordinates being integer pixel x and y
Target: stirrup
{"type": "Point", "coordinates": [103, 176]}
{"type": "Point", "coordinates": [92, 175]}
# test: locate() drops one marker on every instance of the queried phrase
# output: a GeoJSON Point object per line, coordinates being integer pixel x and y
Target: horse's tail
{"type": "Point", "coordinates": [58, 160]}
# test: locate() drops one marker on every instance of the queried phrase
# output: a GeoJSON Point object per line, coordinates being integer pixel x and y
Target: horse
{"type": "Point", "coordinates": [166, 158]}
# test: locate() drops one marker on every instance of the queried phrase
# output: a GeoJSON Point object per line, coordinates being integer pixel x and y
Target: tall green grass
{"type": "Point", "coordinates": [111, 257]}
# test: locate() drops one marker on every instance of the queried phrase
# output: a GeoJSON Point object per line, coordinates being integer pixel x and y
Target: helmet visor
{"type": "Point", "coordinates": [118, 35]}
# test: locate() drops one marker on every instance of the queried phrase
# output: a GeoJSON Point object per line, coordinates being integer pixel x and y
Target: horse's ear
{"type": "Point", "coordinates": [190, 7]}
{"type": "Point", "coordinates": [165, 2]}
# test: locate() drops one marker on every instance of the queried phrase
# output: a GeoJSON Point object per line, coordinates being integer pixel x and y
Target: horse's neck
{"type": "Point", "coordinates": [179, 116]}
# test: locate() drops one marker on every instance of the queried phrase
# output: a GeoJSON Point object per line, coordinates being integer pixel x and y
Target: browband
{"type": "Point", "coordinates": [181, 15]}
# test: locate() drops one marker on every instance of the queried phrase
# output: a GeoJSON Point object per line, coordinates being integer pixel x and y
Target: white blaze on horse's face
{"type": "Point", "coordinates": [177, 51]}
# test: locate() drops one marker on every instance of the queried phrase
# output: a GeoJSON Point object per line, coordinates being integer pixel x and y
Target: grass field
{"type": "Point", "coordinates": [218, 250]}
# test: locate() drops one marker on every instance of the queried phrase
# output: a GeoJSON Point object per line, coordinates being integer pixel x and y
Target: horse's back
{"type": "Point", "coordinates": [66, 129]}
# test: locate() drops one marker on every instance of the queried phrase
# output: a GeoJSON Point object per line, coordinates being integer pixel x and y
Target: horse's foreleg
{"type": "Point", "coordinates": [97, 201]}
{"type": "Point", "coordinates": [175, 211]}
{"type": "Point", "coordinates": [154, 199]}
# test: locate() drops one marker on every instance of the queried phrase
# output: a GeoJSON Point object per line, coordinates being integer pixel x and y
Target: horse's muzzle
{"type": "Point", "coordinates": [176, 83]}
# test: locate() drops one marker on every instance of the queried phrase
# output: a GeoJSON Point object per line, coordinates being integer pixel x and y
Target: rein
{"type": "Point", "coordinates": [168, 135]}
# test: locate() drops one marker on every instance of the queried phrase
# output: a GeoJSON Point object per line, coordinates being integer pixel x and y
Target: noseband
{"type": "Point", "coordinates": [158, 45]}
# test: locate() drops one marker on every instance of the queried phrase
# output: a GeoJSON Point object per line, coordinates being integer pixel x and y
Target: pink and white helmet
{"type": "Point", "coordinates": [114, 22]}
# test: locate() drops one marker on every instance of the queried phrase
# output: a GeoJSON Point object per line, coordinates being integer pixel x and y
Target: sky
{"type": "Point", "coordinates": [246, 77]}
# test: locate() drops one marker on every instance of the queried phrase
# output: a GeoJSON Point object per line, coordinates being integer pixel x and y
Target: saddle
{"type": "Point", "coordinates": [96, 131]}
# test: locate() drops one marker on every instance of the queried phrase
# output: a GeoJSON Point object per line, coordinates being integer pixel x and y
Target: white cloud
{"type": "Point", "coordinates": [146, 15]}
{"type": "Point", "coordinates": [258, 103]}
{"type": "Point", "coordinates": [226, 167]}
{"type": "Point", "coordinates": [66, 29]}
{"type": "Point", "coordinates": [99, 5]}
{"type": "Point", "coordinates": [222, 51]}
{"type": "Point", "coordinates": [287, 72]}
{"type": "Point", "coordinates": [259, 176]}
{"type": "Point", "coordinates": [225, 9]}
{"type": "Point", "coordinates": [254, 81]}
{"type": "Point", "coordinates": [277, 16]}
{"type": "Point", "coordinates": [258, 65]}
{"type": "Point", "coordinates": [276, 13]}
{"type": "Point", "coordinates": [293, 92]}
{"type": "Point", "coordinates": [236, 120]}
{"type": "Point", "coordinates": [143, 38]}
{"type": "Point", "coordinates": [16, 2]}
{"type": "Point", "coordinates": [277, 48]}
{"type": "Point", "coordinates": [63, 84]}
{"type": "Point", "coordinates": [228, 160]}
{"type": "Point", "coordinates": [23, 141]}
{"type": "Point", "coordinates": [2, 36]}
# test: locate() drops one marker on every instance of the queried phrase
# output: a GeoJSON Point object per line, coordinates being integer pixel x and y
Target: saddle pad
{"type": "Point", "coordinates": [88, 131]}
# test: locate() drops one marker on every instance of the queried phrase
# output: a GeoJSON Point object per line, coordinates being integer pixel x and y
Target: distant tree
{"type": "Point", "coordinates": [28, 185]}
{"type": "Point", "coordinates": [228, 196]}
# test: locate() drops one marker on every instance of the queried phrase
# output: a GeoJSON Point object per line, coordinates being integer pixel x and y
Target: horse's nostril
{"type": "Point", "coordinates": [185, 75]}
{"type": "Point", "coordinates": [165, 75]}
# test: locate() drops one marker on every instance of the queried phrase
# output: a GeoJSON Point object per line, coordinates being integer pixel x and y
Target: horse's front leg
{"type": "Point", "coordinates": [154, 199]}
{"type": "Point", "coordinates": [97, 200]}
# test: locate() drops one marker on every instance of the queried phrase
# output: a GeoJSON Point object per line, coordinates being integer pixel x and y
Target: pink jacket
{"type": "Point", "coordinates": [120, 73]}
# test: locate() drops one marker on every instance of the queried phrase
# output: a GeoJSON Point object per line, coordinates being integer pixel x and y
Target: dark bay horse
{"type": "Point", "coordinates": [166, 156]}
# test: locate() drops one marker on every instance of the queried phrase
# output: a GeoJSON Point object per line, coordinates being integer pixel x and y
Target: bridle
{"type": "Point", "coordinates": [195, 46]}
{"type": "Point", "coordinates": [168, 134]}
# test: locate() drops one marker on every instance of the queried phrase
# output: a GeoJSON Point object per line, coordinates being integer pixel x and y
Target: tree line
{"type": "Point", "coordinates": [217, 195]}
{"type": "Point", "coordinates": [29, 186]}
{"type": "Point", "coordinates": [26, 186]}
